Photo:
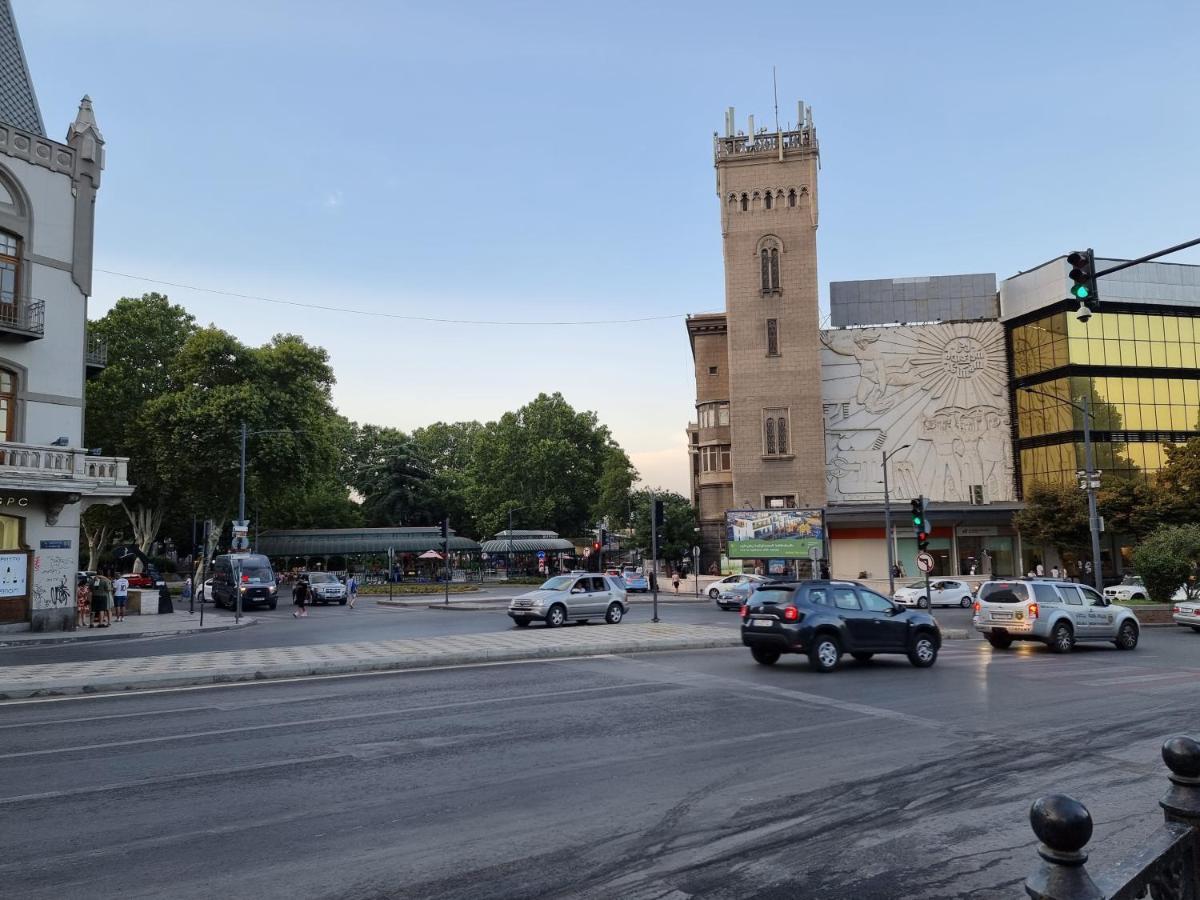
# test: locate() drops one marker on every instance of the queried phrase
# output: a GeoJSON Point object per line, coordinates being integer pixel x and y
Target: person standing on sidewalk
{"type": "Point", "coordinates": [187, 594]}
{"type": "Point", "coordinates": [101, 594]}
{"type": "Point", "coordinates": [352, 589]}
{"type": "Point", "coordinates": [120, 596]}
{"type": "Point", "coordinates": [675, 580]}
{"type": "Point", "coordinates": [300, 598]}
{"type": "Point", "coordinates": [83, 602]}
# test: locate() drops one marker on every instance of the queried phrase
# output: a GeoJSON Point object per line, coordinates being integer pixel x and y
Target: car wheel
{"type": "Point", "coordinates": [342, 602]}
{"type": "Point", "coordinates": [924, 651]}
{"type": "Point", "coordinates": [1000, 643]}
{"type": "Point", "coordinates": [614, 614]}
{"type": "Point", "coordinates": [1127, 637]}
{"type": "Point", "coordinates": [1196, 628]}
{"type": "Point", "coordinates": [764, 656]}
{"type": "Point", "coordinates": [1138, 597]}
{"type": "Point", "coordinates": [272, 604]}
{"type": "Point", "coordinates": [825, 653]}
{"type": "Point", "coordinates": [922, 603]}
{"type": "Point", "coordinates": [965, 602]}
{"type": "Point", "coordinates": [862, 657]}
{"type": "Point", "coordinates": [1062, 638]}
{"type": "Point", "coordinates": [521, 623]}
{"type": "Point", "coordinates": [714, 593]}
{"type": "Point", "coordinates": [556, 616]}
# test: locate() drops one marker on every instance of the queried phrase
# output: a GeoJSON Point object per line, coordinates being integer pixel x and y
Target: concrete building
{"type": "Point", "coordinates": [47, 212]}
{"type": "Point", "coordinates": [758, 384]}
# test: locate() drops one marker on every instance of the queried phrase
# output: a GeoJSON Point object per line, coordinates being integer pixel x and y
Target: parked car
{"type": "Point", "coordinates": [566, 598]}
{"type": "Point", "coordinates": [324, 587]}
{"type": "Point", "coordinates": [143, 580]}
{"type": "Point", "coordinates": [942, 592]}
{"type": "Point", "coordinates": [205, 592]}
{"type": "Point", "coordinates": [247, 574]}
{"type": "Point", "coordinates": [1187, 612]}
{"type": "Point", "coordinates": [1131, 588]}
{"type": "Point", "coordinates": [736, 595]}
{"type": "Point", "coordinates": [824, 619]}
{"type": "Point", "coordinates": [1056, 613]}
{"type": "Point", "coordinates": [717, 587]}
{"type": "Point", "coordinates": [635, 580]}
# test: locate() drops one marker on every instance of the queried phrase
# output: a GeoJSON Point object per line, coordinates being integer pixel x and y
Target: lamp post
{"type": "Point", "coordinates": [887, 519]}
{"type": "Point", "coordinates": [242, 468]}
{"type": "Point", "coordinates": [1091, 479]}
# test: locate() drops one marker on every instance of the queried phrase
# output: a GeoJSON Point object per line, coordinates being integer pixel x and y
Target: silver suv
{"type": "Point", "coordinates": [1057, 613]}
{"type": "Point", "coordinates": [565, 597]}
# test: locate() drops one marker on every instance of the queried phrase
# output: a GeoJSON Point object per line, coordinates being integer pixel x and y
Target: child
{"type": "Point", "coordinates": [83, 602]}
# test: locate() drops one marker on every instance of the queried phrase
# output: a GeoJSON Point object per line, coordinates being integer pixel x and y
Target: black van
{"type": "Point", "coordinates": [257, 580]}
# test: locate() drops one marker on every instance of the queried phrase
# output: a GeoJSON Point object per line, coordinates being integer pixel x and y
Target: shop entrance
{"type": "Point", "coordinates": [14, 571]}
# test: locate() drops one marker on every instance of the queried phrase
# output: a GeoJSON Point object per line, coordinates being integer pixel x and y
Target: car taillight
{"type": "Point", "coordinates": [745, 611]}
{"type": "Point", "coordinates": [1178, 609]}
{"type": "Point", "coordinates": [791, 614]}
{"type": "Point", "coordinates": [978, 605]}
{"type": "Point", "coordinates": [1033, 610]}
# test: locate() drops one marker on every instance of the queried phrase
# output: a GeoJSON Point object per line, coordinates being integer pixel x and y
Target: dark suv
{"type": "Point", "coordinates": [825, 619]}
{"type": "Point", "coordinates": [248, 574]}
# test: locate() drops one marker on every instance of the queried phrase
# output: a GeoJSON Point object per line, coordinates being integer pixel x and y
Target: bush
{"type": "Point", "coordinates": [1167, 558]}
{"type": "Point", "coordinates": [398, 590]}
{"type": "Point", "coordinates": [164, 564]}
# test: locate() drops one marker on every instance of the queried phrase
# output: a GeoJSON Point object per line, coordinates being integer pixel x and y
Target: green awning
{"type": "Point", "coordinates": [346, 541]}
{"type": "Point", "coordinates": [528, 545]}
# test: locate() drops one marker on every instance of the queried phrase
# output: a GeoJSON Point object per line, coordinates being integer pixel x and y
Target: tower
{"type": "Point", "coordinates": [767, 188]}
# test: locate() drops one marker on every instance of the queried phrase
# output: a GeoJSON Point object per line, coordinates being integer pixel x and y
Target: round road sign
{"type": "Point", "coordinates": [925, 562]}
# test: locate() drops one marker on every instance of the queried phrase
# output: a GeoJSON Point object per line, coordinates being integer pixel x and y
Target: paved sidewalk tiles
{"type": "Point", "coordinates": [133, 627]}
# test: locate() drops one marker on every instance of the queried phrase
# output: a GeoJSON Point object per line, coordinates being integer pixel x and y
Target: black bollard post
{"type": "Point", "coordinates": [1064, 826]}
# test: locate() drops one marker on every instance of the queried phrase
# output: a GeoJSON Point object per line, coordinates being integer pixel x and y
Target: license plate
{"type": "Point", "coordinates": [1002, 615]}
{"type": "Point", "coordinates": [762, 623]}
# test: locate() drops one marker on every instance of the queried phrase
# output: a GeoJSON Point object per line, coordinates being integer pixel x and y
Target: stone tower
{"type": "Point", "coordinates": [767, 187]}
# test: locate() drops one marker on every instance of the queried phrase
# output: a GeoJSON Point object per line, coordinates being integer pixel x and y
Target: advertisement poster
{"type": "Point", "coordinates": [13, 568]}
{"type": "Point", "coordinates": [773, 533]}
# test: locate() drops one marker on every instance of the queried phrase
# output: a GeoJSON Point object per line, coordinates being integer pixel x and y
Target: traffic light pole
{"type": "Point", "coordinates": [1093, 481]}
{"type": "Point", "coordinates": [654, 556]}
{"type": "Point", "coordinates": [446, 550]}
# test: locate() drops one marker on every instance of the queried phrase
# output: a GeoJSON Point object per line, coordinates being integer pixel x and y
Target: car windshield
{"type": "Point", "coordinates": [919, 585]}
{"type": "Point", "coordinates": [321, 578]}
{"type": "Point", "coordinates": [559, 583]}
{"type": "Point", "coordinates": [1004, 592]}
{"type": "Point", "coordinates": [254, 571]}
{"type": "Point", "coordinates": [1132, 579]}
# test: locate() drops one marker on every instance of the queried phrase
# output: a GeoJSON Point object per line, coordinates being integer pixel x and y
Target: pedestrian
{"type": "Point", "coordinates": [120, 596]}
{"type": "Point", "coordinates": [83, 601]}
{"type": "Point", "coordinates": [101, 592]}
{"type": "Point", "coordinates": [1087, 568]}
{"type": "Point", "coordinates": [900, 566]}
{"type": "Point", "coordinates": [352, 589]}
{"type": "Point", "coordinates": [187, 594]}
{"type": "Point", "coordinates": [675, 579]}
{"type": "Point", "coordinates": [300, 597]}
{"type": "Point", "coordinates": [1039, 570]}
{"type": "Point", "coordinates": [714, 569]}
{"type": "Point", "coordinates": [1054, 571]}
{"type": "Point", "coordinates": [825, 571]}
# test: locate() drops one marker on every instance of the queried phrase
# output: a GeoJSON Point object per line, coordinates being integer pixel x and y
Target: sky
{"type": "Point", "coordinates": [549, 162]}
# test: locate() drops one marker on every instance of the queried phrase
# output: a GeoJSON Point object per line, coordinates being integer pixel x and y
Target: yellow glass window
{"type": "Point", "coordinates": [1158, 354]}
{"type": "Point", "coordinates": [10, 533]}
{"type": "Point", "coordinates": [1171, 327]}
{"type": "Point", "coordinates": [1175, 390]}
{"type": "Point", "coordinates": [1187, 355]}
{"type": "Point", "coordinates": [1141, 353]}
{"type": "Point", "coordinates": [1141, 327]}
{"type": "Point", "coordinates": [1190, 395]}
{"type": "Point", "coordinates": [1174, 356]}
{"type": "Point", "coordinates": [1157, 332]}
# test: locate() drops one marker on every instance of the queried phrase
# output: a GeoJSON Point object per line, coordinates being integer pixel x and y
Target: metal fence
{"type": "Point", "coordinates": [1165, 867]}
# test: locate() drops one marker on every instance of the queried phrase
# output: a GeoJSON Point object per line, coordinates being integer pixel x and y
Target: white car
{"type": "Point", "coordinates": [324, 587]}
{"type": "Point", "coordinates": [1187, 612]}
{"type": "Point", "coordinates": [718, 587]}
{"type": "Point", "coordinates": [205, 592]}
{"type": "Point", "coordinates": [1131, 588]}
{"type": "Point", "coordinates": [942, 592]}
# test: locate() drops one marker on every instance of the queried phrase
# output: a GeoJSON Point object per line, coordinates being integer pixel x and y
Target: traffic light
{"type": "Point", "coordinates": [920, 520]}
{"type": "Point", "coordinates": [445, 529]}
{"type": "Point", "coordinates": [660, 513]}
{"type": "Point", "coordinates": [603, 537]}
{"type": "Point", "coordinates": [1083, 277]}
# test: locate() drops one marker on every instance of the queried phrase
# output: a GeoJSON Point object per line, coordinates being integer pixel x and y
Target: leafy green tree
{"type": "Point", "coordinates": [447, 451]}
{"type": "Point", "coordinates": [1131, 506]}
{"type": "Point", "coordinates": [1055, 515]}
{"type": "Point", "coordinates": [678, 533]}
{"type": "Point", "coordinates": [617, 476]}
{"type": "Point", "coordinates": [1168, 558]}
{"type": "Point", "coordinates": [395, 488]}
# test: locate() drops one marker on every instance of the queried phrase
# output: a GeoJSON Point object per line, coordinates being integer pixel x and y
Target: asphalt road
{"type": "Point", "coordinates": [655, 776]}
{"type": "Point", "coordinates": [366, 622]}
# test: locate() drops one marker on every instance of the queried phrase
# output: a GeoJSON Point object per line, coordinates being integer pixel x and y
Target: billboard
{"type": "Point", "coordinates": [773, 533]}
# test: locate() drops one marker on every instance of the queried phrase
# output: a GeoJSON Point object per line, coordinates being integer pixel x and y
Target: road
{"type": "Point", "coordinates": [661, 775]}
{"type": "Point", "coordinates": [366, 622]}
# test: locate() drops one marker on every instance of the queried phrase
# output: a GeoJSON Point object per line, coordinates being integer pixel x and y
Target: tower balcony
{"type": "Point", "coordinates": [23, 320]}
{"type": "Point", "coordinates": [764, 143]}
{"type": "Point", "coordinates": [96, 356]}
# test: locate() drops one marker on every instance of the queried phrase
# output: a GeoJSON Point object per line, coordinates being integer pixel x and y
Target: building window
{"type": "Point", "coordinates": [8, 404]}
{"type": "Point", "coordinates": [712, 370]}
{"type": "Point", "coordinates": [723, 414]}
{"type": "Point", "coordinates": [780, 501]}
{"type": "Point", "coordinates": [713, 414]}
{"type": "Point", "coordinates": [715, 458]}
{"type": "Point", "coordinates": [9, 267]}
{"type": "Point", "coordinates": [768, 258]}
{"type": "Point", "coordinates": [776, 432]}
{"type": "Point", "coordinates": [767, 199]}
{"type": "Point", "coordinates": [772, 337]}
{"type": "Point", "coordinates": [726, 458]}
{"type": "Point", "coordinates": [792, 197]}
{"type": "Point", "coordinates": [745, 203]}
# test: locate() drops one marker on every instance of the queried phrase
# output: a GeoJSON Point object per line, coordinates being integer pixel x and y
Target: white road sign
{"type": "Point", "coordinates": [925, 562]}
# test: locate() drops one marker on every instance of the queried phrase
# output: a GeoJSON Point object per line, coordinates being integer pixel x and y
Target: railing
{"type": "Point", "coordinates": [24, 315]}
{"type": "Point", "coordinates": [62, 462]}
{"type": "Point", "coordinates": [1166, 866]}
{"type": "Point", "coordinates": [97, 352]}
{"type": "Point", "coordinates": [764, 142]}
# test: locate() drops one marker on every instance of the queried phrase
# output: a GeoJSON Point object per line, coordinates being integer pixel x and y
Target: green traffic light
{"type": "Point", "coordinates": [1081, 292]}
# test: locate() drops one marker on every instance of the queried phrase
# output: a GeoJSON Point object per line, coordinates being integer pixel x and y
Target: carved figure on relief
{"type": "Point", "coordinates": [852, 462]}
{"type": "Point", "coordinates": [969, 448]}
{"type": "Point", "coordinates": [878, 372]}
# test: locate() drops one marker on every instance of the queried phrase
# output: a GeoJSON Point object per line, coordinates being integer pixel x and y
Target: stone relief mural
{"type": "Point", "coordinates": [939, 388]}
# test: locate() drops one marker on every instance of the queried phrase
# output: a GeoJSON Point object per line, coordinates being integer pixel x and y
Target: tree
{"type": "Point", "coordinates": [100, 524]}
{"type": "Point", "coordinates": [396, 484]}
{"type": "Point", "coordinates": [1131, 506]}
{"type": "Point", "coordinates": [447, 450]}
{"type": "Point", "coordinates": [678, 533]}
{"type": "Point", "coordinates": [1055, 515]}
{"type": "Point", "coordinates": [1168, 558]}
{"type": "Point", "coordinates": [617, 476]}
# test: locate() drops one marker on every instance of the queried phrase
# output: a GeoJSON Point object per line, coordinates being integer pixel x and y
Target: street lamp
{"type": "Point", "coordinates": [887, 519]}
{"type": "Point", "coordinates": [1090, 475]}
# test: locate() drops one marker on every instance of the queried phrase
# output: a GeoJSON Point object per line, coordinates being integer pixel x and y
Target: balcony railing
{"type": "Point", "coordinates": [26, 318]}
{"type": "Point", "coordinates": [65, 463]}
{"type": "Point", "coordinates": [97, 352]}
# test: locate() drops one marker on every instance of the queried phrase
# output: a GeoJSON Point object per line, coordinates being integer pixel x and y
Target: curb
{"type": "Point", "coordinates": [235, 674]}
{"type": "Point", "coordinates": [87, 639]}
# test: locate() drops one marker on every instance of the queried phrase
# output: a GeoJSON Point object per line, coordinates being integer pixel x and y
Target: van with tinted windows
{"type": "Point", "coordinates": [247, 574]}
{"type": "Point", "coordinates": [1056, 613]}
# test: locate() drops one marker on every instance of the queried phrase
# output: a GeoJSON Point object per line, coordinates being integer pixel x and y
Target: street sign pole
{"type": "Point", "coordinates": [391, 564]}
{"type": "Point", "coordinates": [696, 569]}
{"type": "Point", "coordinates": [654, 558]}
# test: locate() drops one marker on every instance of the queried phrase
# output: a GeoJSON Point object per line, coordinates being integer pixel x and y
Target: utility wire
{"type": "Point", "coordinates": [381, 315]}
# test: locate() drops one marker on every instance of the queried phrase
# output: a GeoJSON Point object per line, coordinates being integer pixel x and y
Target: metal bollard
{"type": "Point", "coordinates": [1064, 826]}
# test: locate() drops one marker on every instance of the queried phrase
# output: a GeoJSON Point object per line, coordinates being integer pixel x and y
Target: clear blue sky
{"type": "Point", "coordinates": [552, 161]}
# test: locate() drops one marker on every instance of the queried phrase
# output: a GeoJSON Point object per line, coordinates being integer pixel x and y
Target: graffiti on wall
{"type": "Point", "coordinates": [53, 580]}
{"type": "Point", "coordinates": [940, 389]}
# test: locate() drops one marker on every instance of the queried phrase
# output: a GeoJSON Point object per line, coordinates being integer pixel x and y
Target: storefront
{"type": "Point", "coordinates": [398, 553]}
{"type": "Point", "coordinates": [526, 554]}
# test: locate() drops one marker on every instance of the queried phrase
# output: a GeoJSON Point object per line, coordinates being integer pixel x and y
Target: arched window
{"type": "Point", "coordinates": [8, 404]}
{"type": "Point", "coordinates": [774, 268]}
{"type": "Point", "coordinates": [775, 432]}
{"type": "Point", "coordinates": [767, 199]}
{"type": "Point", "coordinates": [782, 431]}
{"type": "Point", "coordinates": [10, 261]}
{"type": "Point", "coordinates": [745, 203]}
{"type": "Point", "coordinates": [765, 258]}
{"type": "Point", "coordinates": [770, 437]}
{"type": "Point", "coordinates": [792, 197]}
{"type": "Point", "coordinates": [768, 257]}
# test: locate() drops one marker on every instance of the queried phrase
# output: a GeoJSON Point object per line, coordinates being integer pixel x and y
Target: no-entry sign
{"type": "Point", "coordinates": [925, 562]}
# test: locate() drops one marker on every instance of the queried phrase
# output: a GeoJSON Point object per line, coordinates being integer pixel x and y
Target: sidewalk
{"type": "Point", "coordinates": [225, 666]}
{"type": "Point", "coordinates": [133, 627]}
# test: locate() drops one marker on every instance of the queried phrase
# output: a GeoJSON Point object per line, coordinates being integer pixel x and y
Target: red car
{"type": "Point", "coordinates": [139, 581]}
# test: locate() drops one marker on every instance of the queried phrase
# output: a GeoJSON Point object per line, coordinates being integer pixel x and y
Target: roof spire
{"type": "Point", "coordinates": [18, 103]}
{"type": "Point", "coordinates": [84, 134]}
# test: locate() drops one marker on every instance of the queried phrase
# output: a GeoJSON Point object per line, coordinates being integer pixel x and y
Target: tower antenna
{"type": "Point", "coordinates": [775, 88]}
